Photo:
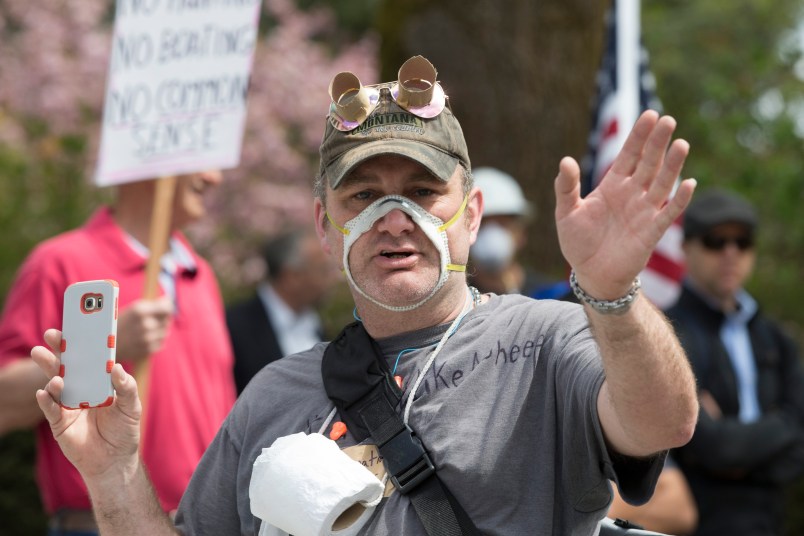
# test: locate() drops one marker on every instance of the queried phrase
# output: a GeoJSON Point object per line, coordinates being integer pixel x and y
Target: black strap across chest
{"type": "Point", "coordinates": [357, 380]}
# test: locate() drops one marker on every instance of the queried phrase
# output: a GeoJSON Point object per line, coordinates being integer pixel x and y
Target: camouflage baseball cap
{"type": "Point", "coordinates": [437, 143]}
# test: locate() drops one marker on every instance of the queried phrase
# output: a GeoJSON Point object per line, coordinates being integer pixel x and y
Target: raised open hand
{"type": "Point", "coordinates": [608, 236]}
{"type": "Point", "coordinates": [95, 440]}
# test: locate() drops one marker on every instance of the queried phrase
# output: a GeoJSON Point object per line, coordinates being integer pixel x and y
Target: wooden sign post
{"type": "Point", "coordinates": [157, 245]}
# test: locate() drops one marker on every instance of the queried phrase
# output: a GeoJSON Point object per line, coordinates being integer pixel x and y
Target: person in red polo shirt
{"type": "Point", "coordinates": [183, 333]}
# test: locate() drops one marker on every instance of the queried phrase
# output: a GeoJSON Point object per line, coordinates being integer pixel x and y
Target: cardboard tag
{"type": "Point", "coordinates": [369, 457]}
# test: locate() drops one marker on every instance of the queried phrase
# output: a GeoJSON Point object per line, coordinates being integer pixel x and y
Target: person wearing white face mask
{"type": "Point", "coordinates": [499, 414]}
{"type": "Point", "coordinates": [495, 265]}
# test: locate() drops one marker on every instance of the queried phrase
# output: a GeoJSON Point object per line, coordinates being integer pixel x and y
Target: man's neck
{"type": "Point", "coordinates": [724, 303]}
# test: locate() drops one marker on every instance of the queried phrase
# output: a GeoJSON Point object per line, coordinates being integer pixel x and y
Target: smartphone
{"type": "Point", "coordinates": [89, 343]}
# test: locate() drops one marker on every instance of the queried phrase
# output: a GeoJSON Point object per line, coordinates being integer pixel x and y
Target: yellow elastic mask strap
{"type": "Point", "coordinates": [456, 267]}
{"type": "Point", "coordinates": [338, 227]}
{"type": "Point", "coordinates": [432, 226]}
{"type": "Point", "coordinates": [456, 216]}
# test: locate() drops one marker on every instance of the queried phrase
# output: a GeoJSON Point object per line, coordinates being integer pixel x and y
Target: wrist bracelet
{"type": "Point", "coordinates": [606, 307]}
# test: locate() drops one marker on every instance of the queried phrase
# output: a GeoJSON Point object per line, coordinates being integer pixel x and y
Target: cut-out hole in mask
{"type": "Point", "coordinates": [433, 227]}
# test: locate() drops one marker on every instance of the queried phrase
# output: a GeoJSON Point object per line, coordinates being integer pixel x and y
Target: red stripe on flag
{"type": "Point", "coordinates": [611, 129]}
{"type": "Point", "coordinates": [666, 266]}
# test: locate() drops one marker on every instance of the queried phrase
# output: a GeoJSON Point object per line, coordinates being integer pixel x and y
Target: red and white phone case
{"type": "Point", "coordinates": [89, 343]}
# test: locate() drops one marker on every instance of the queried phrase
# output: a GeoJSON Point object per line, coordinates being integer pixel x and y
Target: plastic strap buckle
{"type": "Point", "coordinates": [407, 461]}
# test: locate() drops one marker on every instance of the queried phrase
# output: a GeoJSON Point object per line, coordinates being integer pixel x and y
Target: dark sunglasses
{"type": "Point", "coordinates": [719, 243]}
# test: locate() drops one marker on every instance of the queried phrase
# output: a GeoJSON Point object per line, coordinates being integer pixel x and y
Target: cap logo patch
{"type": "Point", "coordinates": [394, 121]}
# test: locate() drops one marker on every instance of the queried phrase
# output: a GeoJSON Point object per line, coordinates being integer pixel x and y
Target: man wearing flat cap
{"type": "Point", "coordinates": [749, 440]}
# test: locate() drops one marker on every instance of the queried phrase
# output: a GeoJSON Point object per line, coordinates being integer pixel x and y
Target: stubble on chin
{"type": "Point", "coordinates": [398, 289]}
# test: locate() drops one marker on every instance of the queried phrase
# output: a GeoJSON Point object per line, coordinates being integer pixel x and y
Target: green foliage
{"type": "Point", "coordinates": [21, 510]}
{"type": "Point", "coordinates": [723, 71]}
{"type": "Point", "coordinates": [41, 194]}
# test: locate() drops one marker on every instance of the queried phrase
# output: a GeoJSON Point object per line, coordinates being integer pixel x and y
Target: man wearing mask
{"type": "Point", "coordinates": [495, 265]}
{"type": "Point", "coordinates": [524, 442]}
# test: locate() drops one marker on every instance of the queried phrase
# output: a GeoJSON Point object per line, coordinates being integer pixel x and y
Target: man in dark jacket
{"type": "Point", "coordinates": [749, 440]}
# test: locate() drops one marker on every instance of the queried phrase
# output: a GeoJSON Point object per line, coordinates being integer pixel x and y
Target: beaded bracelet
{"type": "Point", "coordinates": [606, 307]}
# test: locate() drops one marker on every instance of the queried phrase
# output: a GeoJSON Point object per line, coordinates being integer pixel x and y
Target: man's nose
{"type": "Point", "coordinates": [396, 223]}
{"type": "Point", "coordinates": [732, 249]}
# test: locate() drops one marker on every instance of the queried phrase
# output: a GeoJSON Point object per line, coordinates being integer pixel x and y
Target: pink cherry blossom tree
{"type": "Point", "coordinates": [53, 61]}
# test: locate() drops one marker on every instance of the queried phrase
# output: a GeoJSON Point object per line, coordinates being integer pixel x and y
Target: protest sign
{"type": "Point", "coordinates": [176, 89]}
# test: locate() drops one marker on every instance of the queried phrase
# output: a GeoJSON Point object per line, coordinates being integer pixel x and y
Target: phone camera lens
{"type": "Point", "coordinates": [89, 304]}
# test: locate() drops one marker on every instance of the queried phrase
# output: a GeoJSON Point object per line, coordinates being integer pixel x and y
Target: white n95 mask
{"type": "Point", "coordinates": [494, 248]}
{"type": "Point", "coordinates": [434, 228]}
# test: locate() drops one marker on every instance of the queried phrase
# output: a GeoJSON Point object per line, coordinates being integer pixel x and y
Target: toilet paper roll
{"type": "Point", "coordinates": [304, 485]}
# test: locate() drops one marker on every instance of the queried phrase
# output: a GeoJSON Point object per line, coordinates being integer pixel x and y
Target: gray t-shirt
{"type": "Point", "coordinates": [508, 413]}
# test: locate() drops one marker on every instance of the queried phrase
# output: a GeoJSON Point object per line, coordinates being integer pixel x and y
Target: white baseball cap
{"type": "Point", "coordinates": [502, 194]}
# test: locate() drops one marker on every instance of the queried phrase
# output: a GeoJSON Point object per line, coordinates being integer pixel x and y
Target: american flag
{"type": "Point", "coordinates": [625, 88]}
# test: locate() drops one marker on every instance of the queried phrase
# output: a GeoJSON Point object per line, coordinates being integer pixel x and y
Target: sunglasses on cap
{"type": "Point", "coordinates": [719, 243]}
{"type": "Point", "coordinates": [415, 91]}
